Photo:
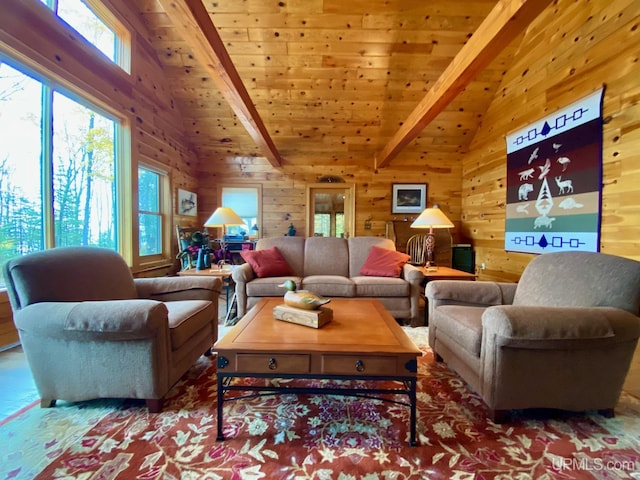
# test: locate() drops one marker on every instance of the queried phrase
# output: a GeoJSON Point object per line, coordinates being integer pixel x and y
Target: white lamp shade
{"type": "Point", "coordinates": [223, 216]}
{"type": "Point", "coordinates": [432, 218]}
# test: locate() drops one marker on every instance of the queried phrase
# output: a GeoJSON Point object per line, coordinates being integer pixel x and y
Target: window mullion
{"type": "Point", "coordinates": [47, 166]}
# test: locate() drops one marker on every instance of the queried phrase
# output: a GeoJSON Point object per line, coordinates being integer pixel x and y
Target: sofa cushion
{"type": "Point", "coordinates": [381, 287]}
{"type": "Point", "coordinates": [267, 263]}
{"type": "Point", "coordinates": [382, 262]}
{"type": "Point", "coordinates": [461, 323]}
{"type": "Point", "coordinates": [326, 256]}
{"type": "Point", "coordinates": [187, 317]}
{"type": "Point", "coordinates": [329, 285]}
{"type": "Point", "coordinates": [270, 286]}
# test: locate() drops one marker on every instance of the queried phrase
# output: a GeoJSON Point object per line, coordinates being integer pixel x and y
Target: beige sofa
{"type": "Point", "coordinates": [562, 338]}
{"type": "Point", "coordinates": [89, 330]}
{"type": "Point", "coordinates": [330, 267]}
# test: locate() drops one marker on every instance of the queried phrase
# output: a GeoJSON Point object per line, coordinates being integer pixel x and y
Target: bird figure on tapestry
{"type": "Point", "coordinates": [544, 169]}
{"type": "Point", "coordinates": [564, 161]}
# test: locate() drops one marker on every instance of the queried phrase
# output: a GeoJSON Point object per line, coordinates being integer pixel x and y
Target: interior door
{"type": "Point", "coordinates": [331, 210]}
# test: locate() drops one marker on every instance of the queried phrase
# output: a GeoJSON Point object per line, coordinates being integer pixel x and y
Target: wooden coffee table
{"type": "Point", "coordinates": [362, 342]}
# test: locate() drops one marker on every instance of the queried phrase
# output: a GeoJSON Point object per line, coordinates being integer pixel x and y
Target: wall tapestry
{"type": "Point", "coordinates": [554, 179]}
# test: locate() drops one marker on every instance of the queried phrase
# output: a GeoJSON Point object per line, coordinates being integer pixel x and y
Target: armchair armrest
{"type": "Point", "coordinates": [519, 324]}
{"type": "Point", "coordinates": [103, 320]}
{"type": "Point", "coordinates": [460, 292]}
{"type": "Point", "coordinates": [166, 289]}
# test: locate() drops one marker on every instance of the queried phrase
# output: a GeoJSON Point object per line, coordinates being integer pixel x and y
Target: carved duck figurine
{"type": "Point", "coordinates": [302, 298]}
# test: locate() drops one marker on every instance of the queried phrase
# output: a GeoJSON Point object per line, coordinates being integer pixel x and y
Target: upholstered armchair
{"type": "Point", "coordinates": [562, 338]}
{"type": "Point", "coordinates": [90, 330]}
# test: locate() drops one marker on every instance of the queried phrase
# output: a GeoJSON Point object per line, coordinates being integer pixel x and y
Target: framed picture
{"type": "Point", "coordinates": [408, 197]}
{"type": "Point", "coordinates": [187, 203]}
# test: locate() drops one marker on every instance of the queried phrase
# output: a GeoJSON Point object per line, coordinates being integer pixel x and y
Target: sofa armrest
{"type": "Point", "coordinates": [461, 292]}
{"type": "Point", "coordinates": [412, 274]}
{"type": "Point", "coordinates": [243, 273]}
{"type": "Point", "coordinates": [516, 324]}
{"type": "Point", "coordinates": [167, 289]}
{"type": "Point", "coordinates": [97, 320]}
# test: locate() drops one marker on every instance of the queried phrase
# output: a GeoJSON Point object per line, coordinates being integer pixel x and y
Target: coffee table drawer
{"type": "Point", "coordinates": [265, 363]}
{"type": "Point", "coordinates": [358, 365]}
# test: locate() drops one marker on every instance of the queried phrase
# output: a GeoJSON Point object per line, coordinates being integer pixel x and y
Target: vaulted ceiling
{"type": "Point", "coordinates": [347, 82]}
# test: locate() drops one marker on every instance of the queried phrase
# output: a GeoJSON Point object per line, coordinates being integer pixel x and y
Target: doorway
{"type": "Point", "coordinates": [330, 210]}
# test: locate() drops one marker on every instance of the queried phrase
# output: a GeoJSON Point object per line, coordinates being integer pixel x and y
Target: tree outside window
{"type": "Point", "coordinates": [70, 185]}
{"type": "Point", "coordinates": [149, 211]}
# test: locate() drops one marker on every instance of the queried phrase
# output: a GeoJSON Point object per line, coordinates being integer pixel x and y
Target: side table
{"type": "Point", "coordinates": [441, 273]}
{"type": "Point", "coordinates": [225, 275]}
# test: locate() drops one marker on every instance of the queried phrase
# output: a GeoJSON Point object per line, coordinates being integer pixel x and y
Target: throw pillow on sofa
{"type": "Point", "coordinates": [267, 263]}
{"type": "Point", "coordinates": [383, 262]}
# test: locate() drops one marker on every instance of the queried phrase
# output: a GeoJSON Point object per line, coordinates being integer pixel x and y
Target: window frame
{"type": "Point", "coordinates": [164, 206]}
{"type": "Point", "coordinates": [122, 47]}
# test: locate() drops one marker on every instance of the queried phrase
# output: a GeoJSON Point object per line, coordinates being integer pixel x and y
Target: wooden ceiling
{"type": "Point", "coordinates": [335, 82]}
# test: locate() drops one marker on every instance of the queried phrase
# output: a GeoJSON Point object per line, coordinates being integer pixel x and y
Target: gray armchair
{"type": "Point", "coordinates": [90, 330]}
{"type": "Point", "coordinates": [562, 338]}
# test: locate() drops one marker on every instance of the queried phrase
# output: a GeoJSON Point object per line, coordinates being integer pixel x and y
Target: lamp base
{"type": "Point", "coordinates": [430, 246]}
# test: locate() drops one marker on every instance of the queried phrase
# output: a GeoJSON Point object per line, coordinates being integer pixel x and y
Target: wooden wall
{"type": "Point", "coordinates": [142, 99]}
{"type": "Point", "coordinates": [572, 49]}
{"type": "Point", "coordinates": [284, 190]}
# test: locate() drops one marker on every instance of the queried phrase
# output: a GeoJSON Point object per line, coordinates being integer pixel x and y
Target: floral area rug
{"type": "Point", "coordinates": [317, 437]}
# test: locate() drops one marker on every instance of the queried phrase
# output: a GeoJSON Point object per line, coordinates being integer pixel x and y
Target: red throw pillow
{"type": "Point", "coordinates": [267, 263]}
{"type": "Point", "coordinates": [383, 262]}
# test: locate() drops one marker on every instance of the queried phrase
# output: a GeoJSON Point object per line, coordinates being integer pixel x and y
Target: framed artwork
{"type": "Point", "coordinates": [408, 197]}
{"type": "Point", "coordinates": [187, 203]}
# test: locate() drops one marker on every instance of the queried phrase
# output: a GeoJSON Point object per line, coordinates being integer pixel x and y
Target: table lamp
{"type": "Point", "coordinates": [431, 218]}
{"type": "Point", "coordinates": [222, 217]}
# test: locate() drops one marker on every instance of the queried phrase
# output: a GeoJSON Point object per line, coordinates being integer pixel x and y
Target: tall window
{"type": "Point", "coordinates": [150, 190]}
{"type": "Point", "coordinates": [57, 169]}
{"type": "Point", "coordinates": [83, 175]}
{"type": "Point", "coordinates": [21, 220]}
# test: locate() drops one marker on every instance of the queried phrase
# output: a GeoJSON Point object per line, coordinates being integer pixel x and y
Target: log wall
{"type": "Point", "coordinates": [572, 49]}
{"type": "Point", "coordinates": [284, 190]}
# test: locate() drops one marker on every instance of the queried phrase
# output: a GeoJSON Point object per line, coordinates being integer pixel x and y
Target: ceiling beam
{"type": "Point", "coordinates": [504, 23]}
{"type": "Point", "coordinates": [193, 22]}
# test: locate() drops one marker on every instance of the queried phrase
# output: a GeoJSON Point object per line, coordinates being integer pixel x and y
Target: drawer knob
{"type": "Point", "coordinates": [360, 365]}
{"type": "Point", "coordinates": [273, 364]}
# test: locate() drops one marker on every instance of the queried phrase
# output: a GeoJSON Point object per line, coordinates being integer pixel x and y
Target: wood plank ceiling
{"type": "Point", "coordinates": [332, 80]}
